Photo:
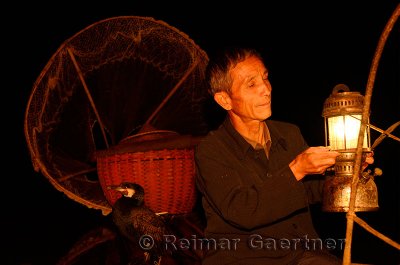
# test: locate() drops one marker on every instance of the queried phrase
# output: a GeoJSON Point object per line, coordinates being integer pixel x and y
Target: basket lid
{"type": "Point", "coordinates": [152, 140]}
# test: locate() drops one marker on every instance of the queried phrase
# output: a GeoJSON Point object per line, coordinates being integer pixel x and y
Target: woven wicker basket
{"type": "Point", "coordinates": [162, 162]}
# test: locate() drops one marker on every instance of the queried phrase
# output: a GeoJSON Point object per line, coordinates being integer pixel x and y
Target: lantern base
{"type": "Point", "coordinates": [337, 190]}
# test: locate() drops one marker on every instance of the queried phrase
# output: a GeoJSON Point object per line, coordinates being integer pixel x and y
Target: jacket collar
{"type": "Point", "coordinates": [242, 146]}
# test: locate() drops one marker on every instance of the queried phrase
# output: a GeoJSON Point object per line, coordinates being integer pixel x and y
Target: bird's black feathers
{"type": "Point", "coordinates": [134, 220]}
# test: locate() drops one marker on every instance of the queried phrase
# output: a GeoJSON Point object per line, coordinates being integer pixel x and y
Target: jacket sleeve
{"type": "Point", "coordinates": [314, 187]}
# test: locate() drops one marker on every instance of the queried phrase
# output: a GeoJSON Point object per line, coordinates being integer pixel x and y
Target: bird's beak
{"type": "Point", "coordinates": [120, 189]}
{"type": "Point", "coordinates": [113, 187]}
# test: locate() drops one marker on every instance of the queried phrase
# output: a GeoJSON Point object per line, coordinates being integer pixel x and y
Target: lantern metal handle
{"type": "Point", "coordinates": [340, 88]}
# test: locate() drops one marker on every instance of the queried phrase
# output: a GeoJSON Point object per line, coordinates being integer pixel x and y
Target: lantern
{"type": "Point", "coordinates": [342, 114]}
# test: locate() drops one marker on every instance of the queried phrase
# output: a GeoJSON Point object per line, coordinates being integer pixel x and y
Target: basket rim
{"type": "Point", "coordinates": [175, 142]}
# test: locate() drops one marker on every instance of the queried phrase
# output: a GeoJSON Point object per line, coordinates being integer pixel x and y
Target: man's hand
{"type": "Point", "coordinates": [314, 160]}
{"type": "Point", "coordinates": [369, 159]}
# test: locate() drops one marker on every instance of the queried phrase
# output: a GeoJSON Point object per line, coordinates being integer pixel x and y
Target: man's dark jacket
{"type": "Point", "coordinates": [257, 212]}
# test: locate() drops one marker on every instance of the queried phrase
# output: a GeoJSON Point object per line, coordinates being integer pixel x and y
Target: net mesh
{"type": "Point", "coordinates": [101, 86]}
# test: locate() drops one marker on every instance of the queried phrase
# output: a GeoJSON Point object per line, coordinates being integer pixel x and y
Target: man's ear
{"type": "Point", "coordinates": [223, 99]}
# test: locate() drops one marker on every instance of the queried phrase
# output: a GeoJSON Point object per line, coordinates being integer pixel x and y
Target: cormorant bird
{"type": "Point", "coordinates": [143, 228]}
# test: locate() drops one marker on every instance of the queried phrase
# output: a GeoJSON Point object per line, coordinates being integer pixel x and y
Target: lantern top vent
{"type": "Point", "coordinates": [343, 102]}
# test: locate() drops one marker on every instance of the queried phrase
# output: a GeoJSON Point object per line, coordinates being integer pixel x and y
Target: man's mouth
{"type": "Point", "coordinates": [265, 104]}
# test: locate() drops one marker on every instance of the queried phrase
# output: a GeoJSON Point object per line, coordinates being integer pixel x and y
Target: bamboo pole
{"type": "Point", "coordinates": [85, 87]}
{"type": "Point", "coordinates": [171, 93]}
{"type": "Point", "coordinates": [384, 238]}
{"type": "Point", "coordinates": [364, 120]}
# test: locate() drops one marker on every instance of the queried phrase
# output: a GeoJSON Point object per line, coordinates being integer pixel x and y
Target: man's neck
{"type": "Point", "coordinates": [251, 130]}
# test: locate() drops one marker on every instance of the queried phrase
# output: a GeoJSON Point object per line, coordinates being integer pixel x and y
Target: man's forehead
{"type": "Point", "coordinates": [249, 68]}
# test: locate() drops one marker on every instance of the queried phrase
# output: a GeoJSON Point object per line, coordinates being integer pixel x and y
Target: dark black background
{"type": "Point", "coordinates": [309, 48]}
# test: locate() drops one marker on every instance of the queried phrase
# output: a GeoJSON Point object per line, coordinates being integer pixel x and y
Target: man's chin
{"type": "Point", "coordinates": [266, 116]}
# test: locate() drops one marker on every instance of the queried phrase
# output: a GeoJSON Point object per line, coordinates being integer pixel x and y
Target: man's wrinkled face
{"type": "Point", "coordinates": [251, 90]}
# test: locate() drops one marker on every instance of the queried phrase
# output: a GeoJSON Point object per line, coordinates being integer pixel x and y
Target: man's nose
{"type": "Point", "coordinates": [266, 88]}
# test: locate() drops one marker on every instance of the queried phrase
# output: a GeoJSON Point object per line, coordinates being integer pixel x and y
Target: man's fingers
{"type": "Point", "coordinates": [318, 149]}
{"type": "Point", "coordinates": [369, 160]}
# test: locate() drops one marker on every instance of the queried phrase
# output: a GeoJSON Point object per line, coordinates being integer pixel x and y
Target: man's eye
{"type": "Point", "coordinates": [251, 84]}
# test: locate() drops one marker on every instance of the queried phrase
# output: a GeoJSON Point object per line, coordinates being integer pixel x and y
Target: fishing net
{"type": "Point", "coordinates": [114, 79]}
